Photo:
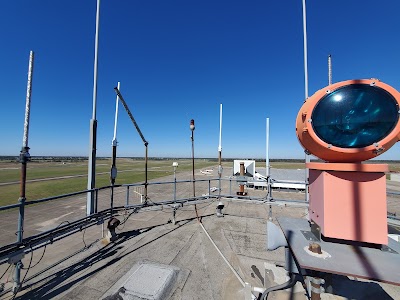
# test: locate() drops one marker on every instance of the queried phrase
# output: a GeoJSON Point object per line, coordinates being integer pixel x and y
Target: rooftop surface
{"type": "Point", "coordinates": [86, 266]}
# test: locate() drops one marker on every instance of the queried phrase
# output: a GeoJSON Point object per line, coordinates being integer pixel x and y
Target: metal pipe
{"type": "Point", "coordinates": [170, 182]}
{"type": "Point", "coordinates": [316, 288]}
{"type": "Point", "coordinates": [114, 143]}
{"type": "Point", "coordinates": [96, 202]}
{"type": "Point", "coordinates": [292, 281]}
{"type": "Point", "coordinates": [127, 195]}
{"type": "Point", "coordinates": [6, 207]}
{"type": "Point", "coordinates": [241, 190]}
{"type": "Point", "coordinates": [28, 100]}
{"type": "Point", "coordinates": [112, 199]}
{"type": "Point", "coordinates": [174, 181]}
{"type": "Point", "coordinates": [192, 128]}
{"type": "Point", "coordinates": [116, 116]}
{"type": "Point", "coordinates": [220, 152]}
{"type": "Point", "coordinates": [307, 157]}
{"type": "Point", "coordinates": [50, 237]}
{"type": "Point", "coordinates": [305, 49]}
{"type": "Point", "coordinates": [93, 124]}
{"type": "Point", "coordinates": [139, 184]}
{"type": "Point", "coordinates": [61, 196]}
{"type": "Point", "coordinates": [145, 172]}
{"type": "Point", "coordinates": [288, 181]}
{"type": "Point", "coordinates": [96, 50]}
{"type": "Point", "coordinates": [24, 158]}
{"type": "Point", "coordinates": [267, 170]}
{"type": "Point", "coordinates": [329, 69]}
{"type": "Point", "coordinates": [113, 174]}
{"type": "Point", "coordinates": [267, 149]}
{"type": "Point", "coordinates": [130, 115]}
{"type": "Point", "coordinates": [94, 219]}
{"type": "Point", "coordinates": [145, 142]}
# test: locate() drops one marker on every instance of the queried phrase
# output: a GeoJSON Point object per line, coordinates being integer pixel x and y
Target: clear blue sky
{"type": "Point", "coordinates": [178, 60]}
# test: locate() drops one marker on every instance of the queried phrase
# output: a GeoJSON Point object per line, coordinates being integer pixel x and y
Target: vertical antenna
{"type": "Point", "coordinates": [192, 128]}
{"type": "Point", "coordinates": [329, 69]}
{"type": "Point", "coordinates": [305, 50]}
{"type": "Point", "coordinates": [96, 48]}
{"type": "Point", "coordinates": [267, 170]}
{"type": "Point", "coordinates": [267, 149]}
{"type": "Point", "coordinates": [307, 157]}
{"type": "Point", "coordinates": [28, 100]}
{"type": "Point", "coordinates": [90, 203]}
{"type": "Point", "coordinates": [220, 152]}
{"type": "Point", "coordinates": [220, 128]}
{"type": "Point", "coordinates": [24, 158]}
{"type": "Point", "coordinates": [114, 141]}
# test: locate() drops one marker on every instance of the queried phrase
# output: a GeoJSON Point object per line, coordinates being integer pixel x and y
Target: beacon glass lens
{"type": "Point", "coordinates": [355, 116]}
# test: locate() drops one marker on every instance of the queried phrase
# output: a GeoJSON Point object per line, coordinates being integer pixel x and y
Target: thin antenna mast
{"type": "Point", "coordinates": [267, 149]}
{"type": "Point", "coordinates": [329, 69]}
{"type": "Point", "coordinates": [220, 152]}
{"type": "Point", "coordinates": [146, 143]}
{"type": "Point", "coordinates": [307, 157]}
{"type": "Point", "coordinates": [90, 203]}
{"type": "Point", "coordinates": [24, 157]}
{"type": "Point", "coordinates": [114, 143]}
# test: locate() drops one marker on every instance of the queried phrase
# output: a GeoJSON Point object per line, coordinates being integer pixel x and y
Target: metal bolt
{"type": "Point", "coordinates": [315, 248]}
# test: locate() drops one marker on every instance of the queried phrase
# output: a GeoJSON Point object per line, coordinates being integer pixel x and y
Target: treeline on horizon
{"type": "Point", "coordinates": [85, 158]}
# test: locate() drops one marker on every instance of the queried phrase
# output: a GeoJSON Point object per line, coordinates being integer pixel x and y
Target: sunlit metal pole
{"type": "Point", "coordinates": [220, 152]}
{"type": "Point", "coordinates": [114, 143]}
{"type": "Point", "coordinates": [194, 186]}
{"type": "Point", "coordinates": [329, 69]}
{"type": "Point", "coordinates": [192, 127]}
{"type": "Point", "coordinates": [175, 165]}
{"type": "Point", "coordinates": [146, 143]}
{"type": "Point", "coordinates": [267, 168]}
{"type": "Point", "coordinates": [93, 126]}
{"type": "Point", "coordinates": [24, 158]}
{"type": "Point", "coordinates": [307, 156]}
{"type": "Point", "coordinates": [146, 164]}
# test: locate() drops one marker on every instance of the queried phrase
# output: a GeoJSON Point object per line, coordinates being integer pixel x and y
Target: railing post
{"type": "Point", "coordinates": [230, 186]}
{"type": "Point", "coordinates": [18, 265]}
{"type": "Point", "coordinates": [175, 181]}
{"type": "Point", "coordinates": [127, 195]}
{"type": "Point", "coordinates": [209, 187]}
{"type": "Point", "coordinates": [112, 201]}
{"type": "Point", "coordinates": [96, 201]}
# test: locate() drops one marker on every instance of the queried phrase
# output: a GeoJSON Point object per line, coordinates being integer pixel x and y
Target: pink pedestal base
{"type": "Point", "coordinates": [349, 202]}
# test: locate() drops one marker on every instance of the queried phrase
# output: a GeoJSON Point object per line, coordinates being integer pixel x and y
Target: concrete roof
{"type": "Point", "coordinates": [85, 266]}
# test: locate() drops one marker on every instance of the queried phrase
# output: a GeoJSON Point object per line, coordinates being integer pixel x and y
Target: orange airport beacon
{"type": "Point", "coordinates": [345, 124]}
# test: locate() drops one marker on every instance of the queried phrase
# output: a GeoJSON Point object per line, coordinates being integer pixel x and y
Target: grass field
{"type": "Point", "coordinates": [129, 171]}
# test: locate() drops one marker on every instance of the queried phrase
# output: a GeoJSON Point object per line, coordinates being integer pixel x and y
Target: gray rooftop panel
{"type": "Point", "coordinates": [145, 281]}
